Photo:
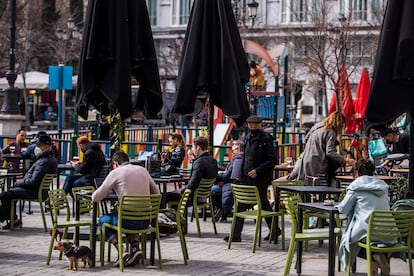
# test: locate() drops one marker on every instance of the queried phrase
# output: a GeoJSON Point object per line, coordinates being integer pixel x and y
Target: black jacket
{"type": "Point", "coordinates": [46, 163]}
{"type": "Point", "coordinates": [259, 154]}
{"type": "Point", "coordinates": [204, 166]}
{"type": "Point", "coordinates": [29, 153]}
{"type": "Point", "coordinates": [93, 162]}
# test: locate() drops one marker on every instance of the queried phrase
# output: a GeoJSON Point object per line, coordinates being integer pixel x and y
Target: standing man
{"type": "Point", "coordinates": [90, 168]}
{"type": "Point", "coordinates": [28, 186]}
{"type": "Point", "coordinates": [257, 170]}
{"type": "Point", "coordinates": [125, 179]}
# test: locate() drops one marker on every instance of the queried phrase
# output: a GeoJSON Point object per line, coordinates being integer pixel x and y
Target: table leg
{"type": "Point", "coordinates": [332, 246]}
{"type": "Point", "coordinates": [164, 195]}
{"type": "Point", "coordinates": [277, 208]}
{"type": "Point", "coordinates": [299, 244]}
{"type": "Point", "coordinates": [93, 238]}
{"type": "Point", "coordinates": [77, 217]}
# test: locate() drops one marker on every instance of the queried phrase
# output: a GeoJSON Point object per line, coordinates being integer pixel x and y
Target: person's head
{"type": "Point", "coordinates": [200, 145]}
{"type": "Point", "coordinates": [238, 146]}
{"type": "Point", "coordinates": [82, 143]}
{"type": "Point", "coordinates": [335, 121]}
{"type": "Point", "coordinates": [119, 158]}
{"type": "Point", "coordinates": [252, 64]}
{"type": "Point", "coordinates": [254, 123]}
{"type": "Point", "coordinates": [390, 135]}
{"type": "Point", "coordinates": [176, 139]}
{"type": "Point", "coordinates": [363, 167]}
{"type": "Point", "coordinates": [21, 135]}
{"type": "Point", "coordinates": [43, 144]}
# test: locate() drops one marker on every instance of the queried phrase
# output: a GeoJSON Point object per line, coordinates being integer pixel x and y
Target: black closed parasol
{"type": "Point", "coordinates": [392, 88]}
{"type": "Point", "coordinates": [213, 62]}
{"type": "Point", "coordinates": [117, 45]}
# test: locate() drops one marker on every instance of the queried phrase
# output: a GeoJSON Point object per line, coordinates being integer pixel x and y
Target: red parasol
{"type": "Point", "coordinates": [346, 104]}
{"type": "Point", "coordinates": [332, 104]}
{"type": "Point", "coordinates": [361, 99]}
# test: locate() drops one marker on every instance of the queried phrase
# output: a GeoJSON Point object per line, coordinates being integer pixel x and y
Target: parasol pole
{"type": "Point", "coordinates": [210, 126]}
{"type": "Point", "coordinates": [411, 171]}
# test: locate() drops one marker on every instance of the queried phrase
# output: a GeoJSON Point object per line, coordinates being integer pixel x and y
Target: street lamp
{"type": "Point", "coordinates": [10, 105]}
{"type": "Point", "coordinates": [253, 5]}
{"type": "Point", "coordinates": [67, 35]}
{"type": "Point", "coordinates": [342, 51]}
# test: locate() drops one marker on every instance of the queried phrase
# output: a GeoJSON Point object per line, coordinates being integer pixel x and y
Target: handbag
{"type": "Point", "coordinates": [377, 147]}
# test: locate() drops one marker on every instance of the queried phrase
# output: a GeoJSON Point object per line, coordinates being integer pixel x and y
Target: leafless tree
{"type": "Point", "coordinates": [324, 40]}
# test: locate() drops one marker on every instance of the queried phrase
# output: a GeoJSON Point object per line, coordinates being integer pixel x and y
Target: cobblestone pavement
{"type": "Point", "coordinates": [24, 251]}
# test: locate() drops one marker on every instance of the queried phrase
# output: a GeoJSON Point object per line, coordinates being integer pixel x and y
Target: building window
{"type": "Point", "coordinates": [360, 53]}
{"type": "Point", "coordinates": [181, 11]}
{"type": "Point", "coordinates": [152, 10]}
{"type": "Point", "coordinates": [298, 10]}
{"type": "Point", "coordinates": [357, 8]}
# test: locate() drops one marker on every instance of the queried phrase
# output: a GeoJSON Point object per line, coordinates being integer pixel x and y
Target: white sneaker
{"type": "Point", "coordinates": [125, 257]}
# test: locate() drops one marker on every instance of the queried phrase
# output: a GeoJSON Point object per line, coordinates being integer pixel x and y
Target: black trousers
{"type": "Point", "coordinates": [6, 198]}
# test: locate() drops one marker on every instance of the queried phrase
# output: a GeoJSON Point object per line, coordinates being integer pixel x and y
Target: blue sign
{"type": "Point", "coordinates": [60, 77]}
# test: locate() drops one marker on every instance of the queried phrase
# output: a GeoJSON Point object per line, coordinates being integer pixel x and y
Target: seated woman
{"type": "Point", "coordinates": [171, 160]}
{"type": "Point", "coordinates": [221, 193]}
{"type": "Point", "coordinates": [364, 195]}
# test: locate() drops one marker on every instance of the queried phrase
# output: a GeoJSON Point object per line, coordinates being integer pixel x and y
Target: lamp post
{"type": "Point", "coordinates": [253, 5]}
{"type": "Point", "coordinates": [10, 117]}
{"type": "Point", "coordinates": [10, 105]}
{"type": "Point", "coordinates": [68, 35]}
{"type": "Point", "coordinates": [342, 43]}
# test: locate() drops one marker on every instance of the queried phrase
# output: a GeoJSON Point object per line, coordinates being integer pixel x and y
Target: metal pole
{"type": "Point", "coordinates": [411, 171]}
{"type": "Point", "coordinates": [10, 105]}
{"type": "Point", "coordinates": [60, 100]}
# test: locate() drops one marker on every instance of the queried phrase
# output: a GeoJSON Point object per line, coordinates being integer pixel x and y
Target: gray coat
{"type": "Point", "coordinates": [363, 195]}
{"type": "Point", "coordinates": [320, 144]}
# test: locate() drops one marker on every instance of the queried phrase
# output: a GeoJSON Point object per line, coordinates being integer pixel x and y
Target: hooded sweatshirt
{"type": "Point", "coordinates": [364, 195]}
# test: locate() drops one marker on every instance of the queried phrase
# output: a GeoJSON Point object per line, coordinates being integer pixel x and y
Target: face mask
{"type": "Point", "coordinates": [38, 151]}
{"type": "Point", "coordinates": [255, 132]}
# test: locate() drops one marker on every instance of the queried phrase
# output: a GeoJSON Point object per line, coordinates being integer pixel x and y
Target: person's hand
{"type": "Point", "coordinates": [252, 173]}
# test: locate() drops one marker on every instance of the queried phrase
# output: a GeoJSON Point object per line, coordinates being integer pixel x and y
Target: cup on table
{"type": "Point", "coordinates": [76, 158]}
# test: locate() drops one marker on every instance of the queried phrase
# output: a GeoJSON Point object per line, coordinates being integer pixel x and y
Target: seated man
{"type": "Point", "coordinates": [221, 195]}
{"type": "Point", "coordinates": [90, 168]}
{"type": "Point", "coordinates": [28, 186]}
{"type": "Point", "coordinates": [16, 147]}
{"type": "Point", "coordinates": [124, 179]}
{"type": "Point", "coordinates": [364, 195]}
{"type": "Point", "coordinates": [204, 167]}
{"type": "Point", "coordinates": [29, 153]}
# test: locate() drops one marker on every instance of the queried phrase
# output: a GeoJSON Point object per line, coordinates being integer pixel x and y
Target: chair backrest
{"type": "Point", "coordinates": [285, 194]}
{"type": "Point", "coordinates": [204, 189]}
{"type": "Point", "coordinates": [59, 203]}
{"type": "Point", "coordinates": [45, 185]}
{"type": "Point", "coordinates": [182, 205]}
{"type": "Point", "coordinates": [85, 205]}
{"type": "Point", "coordinates": [139, 207]}
{"type": "Point", "coordinates": [292, 210]}
{"type": "Point", "coordinates": [244, 194]}
{"type": "Point", "coordinates": [391, 226]}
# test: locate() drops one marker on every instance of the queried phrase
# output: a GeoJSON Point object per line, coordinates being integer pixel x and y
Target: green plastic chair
{"type": "Point", "coordinates": [85, 205]}
{"type": "Point", "coordinates": [135, 207]}
{"type": "Point", "coordinates": [306, 234]}
{"type": "Point", "coordinates": [249, 195]}
{"type": "Point", "coordinates": [181, 212]}
{"type": "Point", "coordinates": [44, 186]}
{"type": "Point", "coordinates": [283, 195]}
{"type": "Point", "coordinates": [61, 219]}
{"type": "Point", "coordinates": [202, 200]}
{"type": "Point", "coordinates": [387, 225]}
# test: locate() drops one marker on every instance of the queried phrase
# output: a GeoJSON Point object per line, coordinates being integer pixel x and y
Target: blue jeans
{"type": "Point", "coordinates": [112, 218]}
{"type": "Point", "coordinates": [74, 180]}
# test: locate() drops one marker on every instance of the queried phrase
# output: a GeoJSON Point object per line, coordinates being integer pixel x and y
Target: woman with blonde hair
{"type": "Point", "coordinates": [320, 156]}
{"type": "Point", "coordinates": [172, 159]}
